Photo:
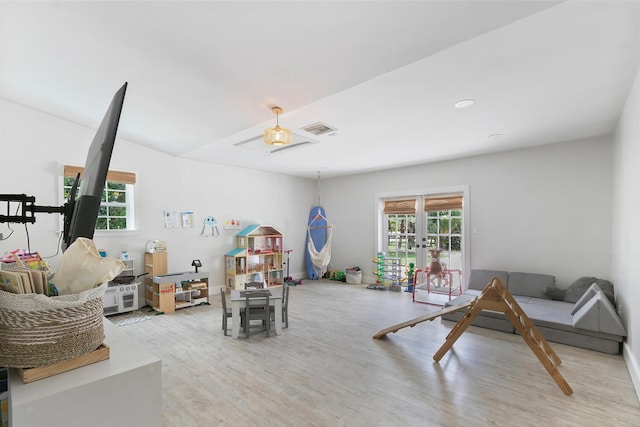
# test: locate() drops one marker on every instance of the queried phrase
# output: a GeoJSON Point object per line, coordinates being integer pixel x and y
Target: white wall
{"type": "Point", "coordinates": [34, 144]}
{"type": "Point", "coordinates": [539, 210]}
{"type": "Point", "coordinates": [626, 227]}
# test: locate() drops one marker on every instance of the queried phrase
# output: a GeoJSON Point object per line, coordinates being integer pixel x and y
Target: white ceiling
{"type": "Point", "coordinates": [203, 75]}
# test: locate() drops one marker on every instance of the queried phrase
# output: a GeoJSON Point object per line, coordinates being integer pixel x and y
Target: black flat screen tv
{"type": "Point", "coordinates": [81, 214]}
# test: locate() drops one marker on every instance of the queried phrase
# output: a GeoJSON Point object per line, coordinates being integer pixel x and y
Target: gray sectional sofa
{"type": "Point", "coordinates": [584, 315]}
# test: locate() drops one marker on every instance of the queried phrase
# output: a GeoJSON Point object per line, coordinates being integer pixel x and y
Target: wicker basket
{"type": "Point", "coordinates": [36, 330]}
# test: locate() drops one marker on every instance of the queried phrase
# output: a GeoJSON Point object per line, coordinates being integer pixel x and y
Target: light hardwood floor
{"type": "Point", "coordinates": [326, 370]}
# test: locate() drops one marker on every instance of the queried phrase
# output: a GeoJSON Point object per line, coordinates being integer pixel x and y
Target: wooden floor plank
{"type": "Point", "coordinates": [325, 370]}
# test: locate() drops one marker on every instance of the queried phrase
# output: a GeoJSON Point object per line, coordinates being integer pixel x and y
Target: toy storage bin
{"type": "Point", "coordinates": [354, 277]}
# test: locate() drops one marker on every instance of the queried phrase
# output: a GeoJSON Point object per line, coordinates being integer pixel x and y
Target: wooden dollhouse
{"type": "Point", "coordinates": [257, 258]}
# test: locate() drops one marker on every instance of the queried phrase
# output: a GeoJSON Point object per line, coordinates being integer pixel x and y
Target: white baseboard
{"type": "Point", "coordinates": [633, 367]}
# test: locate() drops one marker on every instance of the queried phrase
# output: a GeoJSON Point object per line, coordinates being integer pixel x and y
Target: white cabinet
{"type": "Point", "coordinates": [124, 390]}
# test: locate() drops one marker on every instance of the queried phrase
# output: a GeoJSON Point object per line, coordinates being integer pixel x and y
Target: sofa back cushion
{"type": "Point", "coordinates": [479, 279]}
{"type": "Point", "coordinates": [530, 284]}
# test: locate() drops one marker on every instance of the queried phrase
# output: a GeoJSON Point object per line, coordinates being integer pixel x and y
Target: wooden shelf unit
{"type": "Point", "coordinates": [155, 264]}
{"type": "Point", "coordinates": [180, 290]}
{"type": "Point", "coordinates": [257, 258]}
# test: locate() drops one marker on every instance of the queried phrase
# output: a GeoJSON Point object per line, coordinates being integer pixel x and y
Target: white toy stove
{"type": "Point", "coordinates": [120, 298]}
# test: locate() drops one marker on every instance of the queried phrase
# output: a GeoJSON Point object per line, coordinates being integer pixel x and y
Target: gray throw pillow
{"type": "Point", "coordinates": [557, 294]}
{"type": "Point", "coordinates": [580, 286]}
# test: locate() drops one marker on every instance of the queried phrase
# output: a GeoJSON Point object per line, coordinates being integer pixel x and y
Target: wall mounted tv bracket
{"type": "Point", "coordinates": [25, 208]}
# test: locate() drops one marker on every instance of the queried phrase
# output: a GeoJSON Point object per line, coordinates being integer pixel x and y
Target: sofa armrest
{"type": "Point", "coordinates": [598, 314]}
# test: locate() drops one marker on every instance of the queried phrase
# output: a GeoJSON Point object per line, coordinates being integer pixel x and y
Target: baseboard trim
{"type": "Point", "coordinates": [633, 368]}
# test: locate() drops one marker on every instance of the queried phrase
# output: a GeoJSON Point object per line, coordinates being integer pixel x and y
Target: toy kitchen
{"type": "Point", "coordinates": [121, 295]}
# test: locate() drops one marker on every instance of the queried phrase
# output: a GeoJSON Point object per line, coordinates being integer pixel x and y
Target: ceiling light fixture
{"type": "Point", "coordinates": [464, 103]}
{"type": "Point", "coordinates": [277, 136]}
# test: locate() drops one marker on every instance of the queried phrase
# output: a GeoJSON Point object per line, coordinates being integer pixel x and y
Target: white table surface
{"type": "Point", "coordinates": [238, 301]}
{"type": "Point", "coordinates": [122, 390]}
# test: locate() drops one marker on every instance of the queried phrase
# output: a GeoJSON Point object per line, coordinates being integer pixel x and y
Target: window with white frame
{"type": "Point", "coordinates": [117, 206]}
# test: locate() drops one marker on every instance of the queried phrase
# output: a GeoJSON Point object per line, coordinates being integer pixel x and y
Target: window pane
{"type": "Point", "coordinates": [456, 243]}
{"type": "Point", "coordinates": [101, 224]}
{"type": "Point", "coordinates": [117, 196]}
{"type": "Point", "coordinates": [116, 186]}
{"type": "Point", "coordinates": [456, 226]}
{"type": "Point", "coordinates": [444, 243]}
{"type": "Point", "coordinates": [117, 211]}
{"type": "Point", "coordinates": [102, 211]}
{"type": "Point", "coordinates": [117, 223]}
{"type": "Point", "coordinates": [444, 226]}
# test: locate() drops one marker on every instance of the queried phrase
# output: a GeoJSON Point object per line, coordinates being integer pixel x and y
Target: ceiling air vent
{"type": "Point", "coordinates": [319, 128]}
{"type": "Point", "coordinates": [257, 144]}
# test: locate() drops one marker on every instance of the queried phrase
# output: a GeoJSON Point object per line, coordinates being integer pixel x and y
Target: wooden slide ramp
{"type": "Point", "coordinates": [413, 322]}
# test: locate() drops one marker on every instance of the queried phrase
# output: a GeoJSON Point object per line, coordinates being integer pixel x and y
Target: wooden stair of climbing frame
{"type": "Point", "coordinates": [496, 297]}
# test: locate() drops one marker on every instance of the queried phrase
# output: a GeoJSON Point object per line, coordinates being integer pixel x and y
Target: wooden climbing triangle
{"type": "Point", "coordinates": [496, 297]}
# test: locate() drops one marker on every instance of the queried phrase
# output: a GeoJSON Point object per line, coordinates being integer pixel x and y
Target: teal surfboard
{"type": "Point", "coordinates": [318, 233]}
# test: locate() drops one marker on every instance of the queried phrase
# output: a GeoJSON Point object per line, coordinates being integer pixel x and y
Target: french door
{"type": "Point", "coordinates": [412, 226]}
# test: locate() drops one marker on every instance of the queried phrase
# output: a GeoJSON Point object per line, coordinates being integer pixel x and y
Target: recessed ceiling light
{"type": "Point", "coordinates": [496, 135]}
{"type": "Point", "coordinates": [464, 103]}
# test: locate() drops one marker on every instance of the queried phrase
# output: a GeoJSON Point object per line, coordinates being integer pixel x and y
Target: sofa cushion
{"type": "Point", "coordinates": [556, 315]}
{"type": "Point", "coordinates": [598, 314]}
{"type": "Point", "coordinates": [479, 279]}
{"type": "Point", "coordinates": [549, 313]}
{"type": "Point", "coordinates": [580, 286]}
{"type": "Point", "coordinates": [585, 297]}
{"type": "Point", "coordinates": [530, 284]}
